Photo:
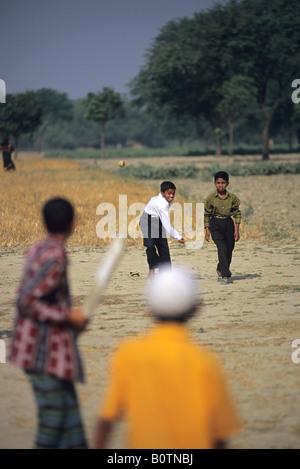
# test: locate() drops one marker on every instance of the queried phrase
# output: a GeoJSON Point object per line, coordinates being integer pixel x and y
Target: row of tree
{"type": "Point", "coordinates": [226, 71]}
{"type": "Point", "coordinates": [222, 62]}
{"type": "Point", "coordinates": [48, 119]}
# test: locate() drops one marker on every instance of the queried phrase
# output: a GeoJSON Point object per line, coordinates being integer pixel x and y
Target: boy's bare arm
{"type": "Point", "coordinates": [103, 431]}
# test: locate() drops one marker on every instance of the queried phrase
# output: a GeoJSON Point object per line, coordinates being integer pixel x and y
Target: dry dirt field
{"type": "Point", "coordinates": [250, 323]}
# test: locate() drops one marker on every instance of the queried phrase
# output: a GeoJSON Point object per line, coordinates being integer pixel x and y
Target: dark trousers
{"type": "Point", "coordinates": [60, 424]}
{"type": "Point", "coordinates": [7, 161]}
{"type": "Point", "coordinates": [222, 233]}
{"type": "Point", "coordinates": [155, 240]}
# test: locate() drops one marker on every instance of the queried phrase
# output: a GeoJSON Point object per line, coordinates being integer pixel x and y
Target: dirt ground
{"type": "Point", "coordinates": [250, 323]}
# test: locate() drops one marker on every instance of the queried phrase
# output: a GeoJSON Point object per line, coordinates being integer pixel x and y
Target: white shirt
{"type": "Point", "coordinates": [158, 206]}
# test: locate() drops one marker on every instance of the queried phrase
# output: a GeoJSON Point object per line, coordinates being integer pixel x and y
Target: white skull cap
{"type": "Point", "coordinates": [172, 292]}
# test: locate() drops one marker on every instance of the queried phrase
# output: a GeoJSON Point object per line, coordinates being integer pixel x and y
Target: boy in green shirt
{"type": "Point", "coordinates": [219, 209]}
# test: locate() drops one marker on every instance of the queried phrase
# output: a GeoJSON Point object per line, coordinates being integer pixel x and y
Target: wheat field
{"type": "Point", "coordinates": [24, 192]}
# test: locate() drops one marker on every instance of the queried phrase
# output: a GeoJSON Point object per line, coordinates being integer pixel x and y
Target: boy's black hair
{"type": "Point", "coordinates": [222, 175]}
{"type": "Point", "coordinates": [166, 185]}
{"type": "Point", "coordinates": [58, 214]}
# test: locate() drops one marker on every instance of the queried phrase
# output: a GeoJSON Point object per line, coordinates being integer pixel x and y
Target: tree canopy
{"type": "Point", "coordinates": [56, 108]}
{"type": "Point", "coordinates": [20, 115]}
{"type": "Point", "coordinates": [190, 61]}
{"type": "Point", "coordinates": [102, 107]}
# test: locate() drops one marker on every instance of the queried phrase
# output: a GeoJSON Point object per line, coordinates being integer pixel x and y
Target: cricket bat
{"type": "Point", "coordinates": [103, 276]}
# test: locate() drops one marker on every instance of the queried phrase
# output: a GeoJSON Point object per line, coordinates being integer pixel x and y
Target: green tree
{"type": "Point", "coordinates": [191, 59]}
{"type": "Point", "coordinates": [56, 108]}
{"type": "Point", "coordinates": [183, 74]}
{"type": "Point", "coordinates": [264, 43]}
{"type": "Point", "coordinates": [180, 129]}
{"type": "Point", "coordinates": [295, 120]}
{"type": "Point", "coordinates": [85, 133]}
{"type": "Point", "coordinates": [236, 96]}
{"type": "Point", "coordinates": [136, 128]}
{"type": "Point", "coordinates": [103, 107]}
{"type": "Point", "coordinates": [20, 115]}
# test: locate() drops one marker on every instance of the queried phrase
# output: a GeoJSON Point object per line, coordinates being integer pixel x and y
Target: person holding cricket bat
{"type": "Point", "coordinates": [44, 342]}
{"type": "Point", "coordinates": [172, 392]}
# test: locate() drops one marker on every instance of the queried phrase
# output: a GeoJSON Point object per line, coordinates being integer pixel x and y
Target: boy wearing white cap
{"type": "Point", "coordinates": [173, 392]}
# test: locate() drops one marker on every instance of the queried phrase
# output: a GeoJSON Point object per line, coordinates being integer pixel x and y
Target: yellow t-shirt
{"type": "Point", "coordinates": [172, 392]}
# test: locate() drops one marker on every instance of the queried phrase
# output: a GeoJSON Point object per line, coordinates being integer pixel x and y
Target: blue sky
{"type": "Point", "coordinates": [77, 46]}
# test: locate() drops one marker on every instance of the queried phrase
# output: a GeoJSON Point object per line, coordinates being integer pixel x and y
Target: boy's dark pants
{"type": "Point", "coordinates": [155, 240]}
{"type": "Point", "coordinates": [59, 420]}
{"type": "Point", "coordinates": [222, 233]}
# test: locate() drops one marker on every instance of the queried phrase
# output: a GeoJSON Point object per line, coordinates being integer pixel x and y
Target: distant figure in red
{"type": "Point", "coordinates": [7, 150]}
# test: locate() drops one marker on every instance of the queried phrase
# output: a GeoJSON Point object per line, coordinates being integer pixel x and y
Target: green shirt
{"type": "Point", "coordinates": [216, 207]}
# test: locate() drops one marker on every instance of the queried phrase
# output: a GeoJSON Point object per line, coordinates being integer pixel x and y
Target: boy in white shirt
{"type": "Point", "coordinates": [155, 224]}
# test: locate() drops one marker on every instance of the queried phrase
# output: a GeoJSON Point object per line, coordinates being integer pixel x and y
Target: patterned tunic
{"type": "Point", "coordinates": [43, 340]}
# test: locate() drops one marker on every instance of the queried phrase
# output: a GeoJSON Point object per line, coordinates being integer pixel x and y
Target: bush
{"type": "Point", "coordinates": [256, 169]}
{"type": "Point", "coordinates": [245, 150]}
{"type": "Point", "coordinates": [145, 171]}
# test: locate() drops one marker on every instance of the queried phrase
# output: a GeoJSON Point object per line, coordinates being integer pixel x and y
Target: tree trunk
{"type": "Point", "coordinates": [16, 142]}
{"type": "Point", "coordinates": [218, 146]}
{"type": "Point", "coordinates": [265, 136]}
{"type": "Point", "coordinates": [38, 144]}
{"type": "Point", "coordinates": [230, 130]}
{"type": "Point", "coordinates": [102, 140]}
{"type": "Point", "coordinates": [40, 136]}
{"type": "Point", "coordinates": [218, 135]}
{"type": "Point", "coordinates": [267, 116]}
{"type": "Point", "coordinates": [290, 136]}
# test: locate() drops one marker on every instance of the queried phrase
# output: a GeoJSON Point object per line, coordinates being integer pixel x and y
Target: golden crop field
{"type": "Point", "coordinates": [24, 192]}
